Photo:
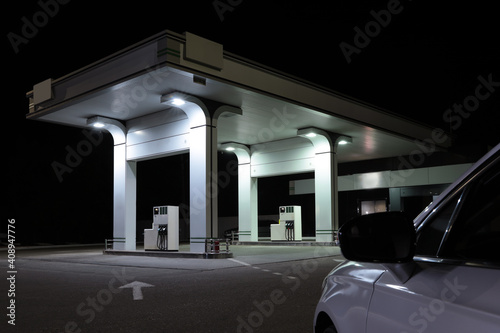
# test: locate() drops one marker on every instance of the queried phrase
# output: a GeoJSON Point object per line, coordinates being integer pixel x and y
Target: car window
{"type": "Point", "coordinates": [475, 235]}
{"type": "Point", "coordinates": [430, 236]}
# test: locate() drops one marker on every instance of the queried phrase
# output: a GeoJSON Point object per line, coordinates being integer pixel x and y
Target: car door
{"type": "Point", "coordinates": [455, 283]}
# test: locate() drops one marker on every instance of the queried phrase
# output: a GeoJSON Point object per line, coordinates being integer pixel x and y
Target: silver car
{"type": "Point", "coordinates": [438, 273]}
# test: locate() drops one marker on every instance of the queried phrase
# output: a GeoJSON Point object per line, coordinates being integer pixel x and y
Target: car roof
{"type": "Point", "coordinates": [418, 220]}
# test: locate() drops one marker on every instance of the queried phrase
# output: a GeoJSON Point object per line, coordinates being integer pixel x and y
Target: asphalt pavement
{"type": "Point", "coordinates": [260, 289]}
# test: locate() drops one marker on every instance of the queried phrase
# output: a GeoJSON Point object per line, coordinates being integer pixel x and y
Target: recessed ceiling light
{"type": "Point", "coordinates": [178, 101]}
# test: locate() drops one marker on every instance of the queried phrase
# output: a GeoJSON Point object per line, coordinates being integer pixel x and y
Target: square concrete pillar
{"type": "Point", "coordinates": [203, 186]}
{"type": "Point", "coordinates": [124, 200]}
{"type": "Point", "coordinates": [325, 183]}
{"type": "Point", "coordinates": [248, 228]}
{"type": "Point", "coordinates": [325, 179]}
{"type": "Point", "coordinates": [247, 205]}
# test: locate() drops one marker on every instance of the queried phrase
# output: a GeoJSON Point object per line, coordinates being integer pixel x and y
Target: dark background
{"type": "Point", "coordinates": [424, 61]}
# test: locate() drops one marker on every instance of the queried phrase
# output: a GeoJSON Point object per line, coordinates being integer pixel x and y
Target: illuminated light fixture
{"type": "Point", "coordinates": [97, 122]}
{"type": "Point", "coordinates": [323, 140]}
{"type": "Point", "coordinates": [178, 102]}
{"type": "Point", "coordinates": [175, 99]}
{"type": "Point", "coordinates": [344, 139]}
{"type": "Point", "coordinates": [241, 151]}
{"type": "Point", "coordinates": [113, 126]}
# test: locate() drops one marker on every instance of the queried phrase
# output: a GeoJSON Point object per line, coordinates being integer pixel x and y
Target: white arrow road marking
{"type": "Point", "coordinates": [136, 289]}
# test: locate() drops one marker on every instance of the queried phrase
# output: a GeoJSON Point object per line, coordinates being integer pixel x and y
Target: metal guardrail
{"type": "Point", "coordinates": [213, 245]}
{"type": "Point", "coordinates": [112, 240]}
{"type": "Point", "coordinates": [335, 237]}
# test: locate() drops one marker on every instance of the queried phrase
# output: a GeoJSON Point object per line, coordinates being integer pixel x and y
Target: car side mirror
{"type": "Point", "coordinates": [387, 237]}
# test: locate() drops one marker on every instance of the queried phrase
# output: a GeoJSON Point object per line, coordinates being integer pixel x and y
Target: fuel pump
{"type": "Point", "coordinates": [289, 227]}
{"type": "Point", "coordinates": [164, 235]}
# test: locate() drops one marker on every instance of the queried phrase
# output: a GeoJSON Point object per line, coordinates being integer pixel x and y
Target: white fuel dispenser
{"type": "Point", "coordinates": [165, 232]}
{"type": "Point", "coordinates": [289, 227]}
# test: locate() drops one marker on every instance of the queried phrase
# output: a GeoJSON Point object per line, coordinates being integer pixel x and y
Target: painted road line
{"type": "Point", "coordinates": [239, 262]}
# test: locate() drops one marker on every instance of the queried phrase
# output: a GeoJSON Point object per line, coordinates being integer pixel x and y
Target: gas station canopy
{"type": "Point", "coordinates": [129, 84]}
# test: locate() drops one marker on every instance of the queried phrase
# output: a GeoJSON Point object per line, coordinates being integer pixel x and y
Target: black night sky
{"type": "Point", "coordinates": [417, 59]}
